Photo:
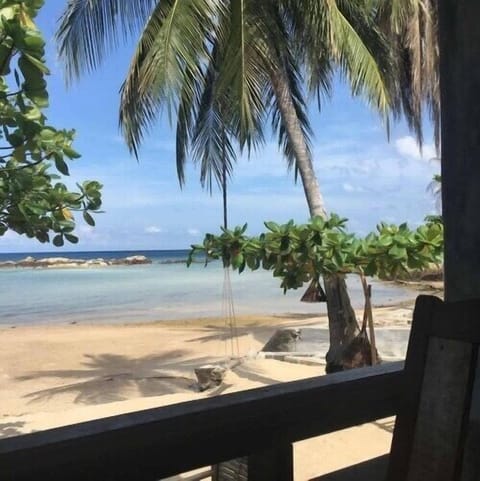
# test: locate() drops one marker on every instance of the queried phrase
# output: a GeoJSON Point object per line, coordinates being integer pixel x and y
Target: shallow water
{"type": "Point", "coordinates": [159, 291]}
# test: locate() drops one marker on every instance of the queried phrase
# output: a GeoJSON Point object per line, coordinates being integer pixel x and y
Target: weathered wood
{"type": "Point", "coordinates": [443, 401]}
{"type": "Point", "coordinates": [232, 470]}
{"type": "Point", "coordinates": [408, 406]}
{"type": "Point", "coordinates": [460, 120]}
{"type": "Point", "coordinates": [430, 429]}
{"type": "Point", "coordinates": [471, 458]}
{"type": "Point", "coordinates": [156, 443]}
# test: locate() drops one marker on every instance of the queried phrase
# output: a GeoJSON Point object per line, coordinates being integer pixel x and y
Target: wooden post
{"type": "Point", "coordinates": [276, 464]}
{"type": "Point", "coordinates": [460, 99]}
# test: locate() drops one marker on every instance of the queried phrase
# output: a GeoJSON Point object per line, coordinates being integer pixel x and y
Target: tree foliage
{"type": "Point", "coordinates": [212, 66]}
{"type": "Point", "coordinates": [301, 253]}
{"type": "Point", "coordinates": [33, 154]}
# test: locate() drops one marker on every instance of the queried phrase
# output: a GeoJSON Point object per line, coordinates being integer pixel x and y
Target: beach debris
{"type": "Point", "coordinates": [284, 340]}
{"type": "Point", "coordinates": [210, 375]}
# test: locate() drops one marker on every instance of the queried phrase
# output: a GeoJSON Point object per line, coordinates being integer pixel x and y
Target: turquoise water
{"type": "Point", "coordinates": [163, 290]}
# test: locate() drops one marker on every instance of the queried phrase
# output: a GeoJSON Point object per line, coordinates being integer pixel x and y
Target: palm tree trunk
{"type": "Point", "coordinates": [341, 317]}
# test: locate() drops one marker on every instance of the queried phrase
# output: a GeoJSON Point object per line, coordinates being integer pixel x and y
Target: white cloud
{"type": "Point", "coordinates": [153, 229]}
{"type": "Point", "coordinates": [193, 232]}
{"type": "Point", "coordinates": [407, 147]}
{"type": "Point", "coordinates": [347, 187]}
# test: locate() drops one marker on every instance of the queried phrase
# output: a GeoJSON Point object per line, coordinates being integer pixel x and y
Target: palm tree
{"type": "Point", "coordinates": [411, 27]}
{"type": "Point", "coordinates": [226, 67]}
{"type": "Point", "coordinates": [435, 188]}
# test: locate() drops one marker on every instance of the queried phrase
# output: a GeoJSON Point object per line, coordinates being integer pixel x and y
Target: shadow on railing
{"type": "Point", "coordinates": [259, 423]}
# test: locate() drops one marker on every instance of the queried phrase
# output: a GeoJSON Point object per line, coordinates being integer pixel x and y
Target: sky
{"type": "Point", "coordinates": [363, 175]}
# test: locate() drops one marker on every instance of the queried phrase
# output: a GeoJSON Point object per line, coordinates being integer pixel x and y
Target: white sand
{"type": "Point", "coordinates": [57, 375]}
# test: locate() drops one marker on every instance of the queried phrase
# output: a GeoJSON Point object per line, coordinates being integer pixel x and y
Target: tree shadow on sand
{"type": "Point", "coordinates": [113, 377]}
{"type": "Point", "coordinates": [224, 333]}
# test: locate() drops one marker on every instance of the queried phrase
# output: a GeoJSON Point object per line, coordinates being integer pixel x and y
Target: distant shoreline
{"type": "Point", "coordinates": [67, 262]}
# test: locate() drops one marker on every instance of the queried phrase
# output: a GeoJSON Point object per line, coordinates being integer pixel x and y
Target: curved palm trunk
{"type": "Point", "coordinates": [341, 317]}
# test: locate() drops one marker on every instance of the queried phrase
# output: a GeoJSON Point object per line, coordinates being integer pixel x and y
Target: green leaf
{"type": "Point", "coordinates": [399, 253]}
{"type": "Point", "coordinates": [88, 219]}
{"type": "Point", "coordinates": [58, 240]}
{"type": "Point", "coordinates": [61, 165]}
{"type": "Point", "coordinates": [272, 226]}
{"type": "Point", "coordinates": [71, 238]}
{"type": "Point", "coordinates": [70, 153]}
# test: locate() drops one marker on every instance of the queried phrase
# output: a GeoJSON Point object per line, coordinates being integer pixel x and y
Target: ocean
{"type": "Point", "coordinates": [163, 290]}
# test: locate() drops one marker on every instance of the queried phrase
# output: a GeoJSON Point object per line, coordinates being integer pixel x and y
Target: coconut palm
{"type": "Point", "coordinates": [223, 68]}
{"type": "Point", "coordinates": [411, 27]}
{"type": "Point", "coordinates": [435, 188]}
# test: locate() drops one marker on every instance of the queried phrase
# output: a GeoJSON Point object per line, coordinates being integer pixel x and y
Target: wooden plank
{"type": "Point", "coordinates": [425, 309]}
{"type": "Point", "coordinates": [470, 469]}
{"type": "Point", "coordinates": [442, 404]}
{"type": "Point", "coordinates": [156, 443]}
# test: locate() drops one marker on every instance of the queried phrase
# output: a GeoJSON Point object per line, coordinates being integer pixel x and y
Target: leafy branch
{"type": "Point", "coordinates": [32, 200]}
{"type": "Point", "coordinates": [299, 254]}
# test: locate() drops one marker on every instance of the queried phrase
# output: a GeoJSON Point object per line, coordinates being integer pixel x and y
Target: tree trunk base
{"type": "Point", "coordinates": [342, 322]}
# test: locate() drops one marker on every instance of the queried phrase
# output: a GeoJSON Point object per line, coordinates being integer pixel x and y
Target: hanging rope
{"type": "Point", "coordinates": [232, 348]}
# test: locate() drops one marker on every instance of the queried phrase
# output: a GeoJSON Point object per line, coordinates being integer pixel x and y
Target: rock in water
{"type": "Point", "coordinates": [133, 260]}
{"type": "Point", "coordinates": [210, 375]}
{"type": "Point", "coordinates": [283, 340]}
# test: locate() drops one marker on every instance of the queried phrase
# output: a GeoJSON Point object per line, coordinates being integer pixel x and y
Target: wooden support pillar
{"type": "Point", "coordinates": [460, 100]}
{"type": "Point", "coordinates": [274, 464]}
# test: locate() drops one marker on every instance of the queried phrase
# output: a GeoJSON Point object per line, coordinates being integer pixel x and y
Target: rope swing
{"type": "Point", "coordinates": [232, 348]}
{"type": "Point", "coordinates": [228, 308]}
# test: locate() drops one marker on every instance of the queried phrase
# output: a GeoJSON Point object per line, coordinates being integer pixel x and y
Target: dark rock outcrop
{"type": "Point", "coordinates": [283, 340]}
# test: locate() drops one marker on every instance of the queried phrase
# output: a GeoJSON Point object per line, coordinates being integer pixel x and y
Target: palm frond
{"type": "Point", "coordinates": [309, 44]}
{"type": "Point", "coordinates": [351, 31]}
{"type": "Point", "coordinates": [211, 137]}
{"type": "Point", "coordinates": [411, 27]}
{"type": "Point", "coordinates": [90, 29]}
{"type": "Point", "coordinates": [242, 71]}
{"type": "Point", "coordinates": [170, 54]}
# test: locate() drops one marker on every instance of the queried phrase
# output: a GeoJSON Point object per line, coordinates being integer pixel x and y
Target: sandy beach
{"type": "Point", "coordinates": [62, 374]}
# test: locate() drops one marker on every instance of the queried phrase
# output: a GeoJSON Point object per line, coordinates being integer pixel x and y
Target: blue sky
{"type": "Point", "coordinates": [363, 176]}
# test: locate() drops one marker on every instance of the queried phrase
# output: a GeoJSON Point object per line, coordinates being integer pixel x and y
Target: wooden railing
{"type": "Point", "coordinates": [260, 423]}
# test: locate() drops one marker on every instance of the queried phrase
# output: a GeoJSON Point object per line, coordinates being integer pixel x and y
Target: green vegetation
{"type": "Point", "coordinates": [32, 153]}
{"type": "Point", "coordinates": [298, 254]}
